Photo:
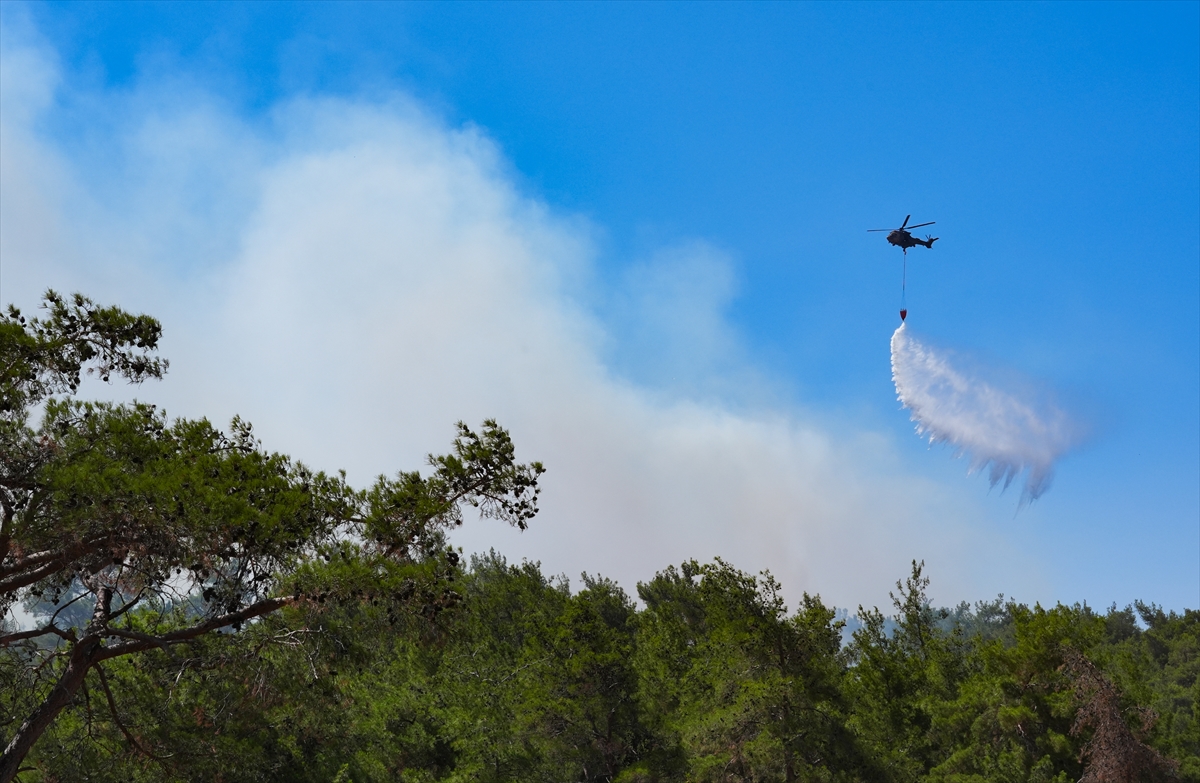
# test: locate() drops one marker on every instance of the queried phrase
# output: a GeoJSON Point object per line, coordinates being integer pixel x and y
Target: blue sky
{"type": "Point", "coordinates": [721, 163]}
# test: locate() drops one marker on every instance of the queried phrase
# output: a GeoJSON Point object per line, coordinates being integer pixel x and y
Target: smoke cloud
{"type": "Point", "coordinates": [1005, 431]}
{"type": "Point", "coordinates": [353, 276]}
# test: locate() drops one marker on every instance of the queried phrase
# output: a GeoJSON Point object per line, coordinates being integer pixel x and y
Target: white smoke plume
{"type": "Point", "coordinates": [1003, 431]}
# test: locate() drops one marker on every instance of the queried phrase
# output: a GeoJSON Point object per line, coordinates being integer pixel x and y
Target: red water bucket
{"type": "Point", "coordinates": [903, 314]}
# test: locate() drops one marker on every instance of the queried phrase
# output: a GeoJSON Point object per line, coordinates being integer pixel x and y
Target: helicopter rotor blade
{"type": "Point", "coordinates": [905, 223]}
{"type": "Point", "coordinates": [930, 223]}
{"type": "Point", "coordinates": [869, 230]}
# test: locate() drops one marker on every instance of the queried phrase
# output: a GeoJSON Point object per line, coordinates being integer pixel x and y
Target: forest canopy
{"type": "Point", "coordinates": [130, 533]}
{"type": "Point", "coordinates": [206, 609]}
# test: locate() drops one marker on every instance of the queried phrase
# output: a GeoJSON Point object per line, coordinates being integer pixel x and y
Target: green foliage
{"type": "Point", "coordinates": [212, 611]}
{"type": "Point", "coordinates": [165, 531]}
{"type": "Point", "coordinates": [45, 356]}
{"type": "Point", "coordinates": [713, 679]}
{"type": "Point", "coordinates": [1010, 719]}
{"type": "Point", "coordinates": [897, 677]}
{"type": "Point", "coordinates": [747, 691]}
{"type": "Point", "coordinates": [1159, 669]}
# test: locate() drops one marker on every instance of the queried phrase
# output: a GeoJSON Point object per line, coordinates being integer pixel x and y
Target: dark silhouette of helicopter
{"type": "Point", "coordinates": [904, 240]}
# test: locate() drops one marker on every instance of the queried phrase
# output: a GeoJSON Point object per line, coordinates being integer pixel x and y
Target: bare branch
{"type": "Point", "coordinates": [13, 638]}
{"type": "Point", "coordinates": [5, 528]}
{"type": "Point", "coordinates": [112, 708]}
{"type": "Point", "coordinates": [265, 606]}
{"type": "Point", "coordinates": [153, 641]}
{"type": "Point", "coordinates": [48, 562]}
{"type": "Point", "coordinates": [128, 605]}
{"type": "Point", "coordinates": [64, 606]}
{"type": "Point", "coordinates": [17, 581]}
{"type": "Point", "coordinates": [68, 552]}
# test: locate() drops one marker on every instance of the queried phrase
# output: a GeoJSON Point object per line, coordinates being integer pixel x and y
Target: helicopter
{"type": "Point", "coordinates": [904, 240]}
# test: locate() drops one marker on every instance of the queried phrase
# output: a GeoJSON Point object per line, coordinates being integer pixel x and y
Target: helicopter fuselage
{"type": "Point", "coordinates": [901, 238]}
{"type": "Point", "coordinates": [904, 240]}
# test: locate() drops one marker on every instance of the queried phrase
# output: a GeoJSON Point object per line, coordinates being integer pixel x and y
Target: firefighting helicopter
{"type": "Point", "coordinates": [904, 240]}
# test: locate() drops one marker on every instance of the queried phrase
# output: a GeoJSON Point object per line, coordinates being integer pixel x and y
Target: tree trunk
{"type": "Point", "coordinates": [789, 761]}
{"type": "Point", "coordinates": [82, 657]}
{"type": "Point", "coordinates": [64, 691]}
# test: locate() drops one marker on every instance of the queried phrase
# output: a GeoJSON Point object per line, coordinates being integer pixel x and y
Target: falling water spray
{"type": "Point", "coordinates": [1003, 431]}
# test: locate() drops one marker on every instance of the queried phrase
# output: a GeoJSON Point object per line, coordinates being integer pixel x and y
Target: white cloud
{"type": "Point", "coordinates": [371, 276]}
